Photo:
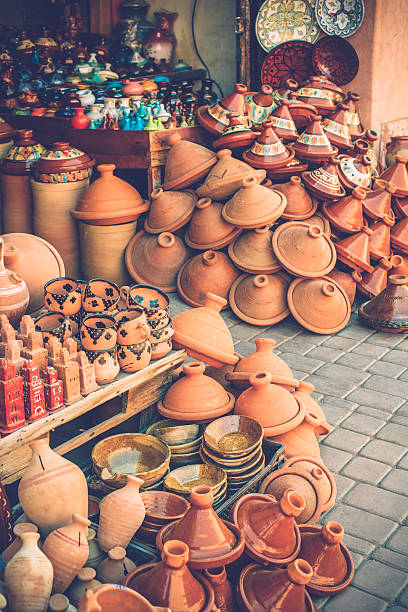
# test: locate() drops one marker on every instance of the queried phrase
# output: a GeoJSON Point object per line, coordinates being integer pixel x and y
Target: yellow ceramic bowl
{"type": "Point", "coordinates": [235, 470]}
{"type": "Point", "coordinates": [244, 477]}
{"type": "Point", "coordinates": [130, 453]}
{"type": "Point", "coordinates": [185, 447]}
{"type": "Point", "coordinates": [191, 447]}
{"type": "Point", "coordinates": [184, 459]}
{"type": "Point", "coordinates": [233, 435]}
{"type": "Point", "coordinates": [226, 461]}
{"type": "Point", "coordinates": [183, 479]}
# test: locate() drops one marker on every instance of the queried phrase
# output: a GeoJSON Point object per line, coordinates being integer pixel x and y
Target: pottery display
{"type": "Point", "coordinates": [169, 210]}
{"type": "Point", "coordinates": [63, 163]}
{"type": "Point", "coordinates": [63, 294]}
{"type": "Point", "coordinates": [236, 135]}
{"type": "Point", "coordinates": [323, 182]}
{"type": "Point", "coordinates": [252, 252]}
{"type": "Point", "coordinates": [215, 118]}
{"type": "Point", "coordinates": [388, 311]}
{"type": "Point", "coordinates": [346, 215]}
{"type": "Point", "coordinates": [115, 567]}
{"type": "Point", "coordinates": [377, 203]}
{"type": "Point", "coordinates": [268, 151]}
{"type": "Point", "coordinates": [313, 144]}
{"type": "Point", "coordinates": [253, 205]}
{"type": "Point", "coordinates": [207, 229]}
{"type": "Point", "coordinates": [398, 175]}
{"type": "Point", "coordinates": [261, 299]}
{"type": "Point", "coordinates": [14, 295]}
{"type": "Point", "coordinates": [354, 251]}
{"type": "Point", "coordinates": [299, 204]}
{"type": "Point", "coordinates": [282, 122]}
{"type": "Point", "coordinates": [187, 163]}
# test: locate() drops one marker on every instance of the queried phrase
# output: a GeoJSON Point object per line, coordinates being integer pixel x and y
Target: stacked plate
{"type": "Point", "coordinates": [183, 439]}
{"type": "Point", "coordinates": [234, 444]}
{"type": "Point", "coordinates": [161, 508]}
{"type": "Point", "coordinates": [182, 480]}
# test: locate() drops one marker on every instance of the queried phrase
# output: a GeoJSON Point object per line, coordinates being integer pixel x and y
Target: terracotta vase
{"type": "Point", "coordinates": [373, 283]}
{"type": "Point", "coordinates": [330, 559]}
{"type": "Point", "coordinates": [207, 229]}
{"type": "Point", "coordinates": [152, 259]}
{"type": "Point", "coordinates": [169, 210]}
{"type": "Point", "coordinates": [215, 118]}
{"type": "Point", "coordinates": [354, 251]}
{"type": "Point", "coordinates": [203, 333]}
{"type": "Point", "coordinates": [262, 360]}
{"type": "Point", "coordinates": [107, 596]}
{"type": "Point", "coordinates": [121, 514]}
{"type": "Point", "coordinates": [63, 163]}
{"type": "Point", "coordinates": [270, 531]}
{"type": "Point", "coordinates": [301, 440]}
{"type": "Point", "coordinates": [388, 311]}
{"type": "Point", "coordinates": [187, 163]}
{"type": "Point", "coordinates": [46, 498]}
{"type": "Point", "coordinates": [212, 541]}
{"type": "Point", "coordinates": [346, 215]}
{"type": "Point", "coordinates": [380, 239]}
{"type": "Point", "coordinates": [160, 44]}
{"type": "Point", "coordinates": [84, 581]}
{"type": "Point", "coordinates": [116, 567]}
{"type": "Point", "coordinates": [268, 151]}
{"type": "Point", "coordinates": [14, 296]}
{"type": "Point", "coordinates": [36, 261]}
{"type": "Point", "coordinates": [398, 175]}
{"type": "Point", "coordinates": [313, 144]}
{"type": "Point", "coordinates": [210, 271]}
{"type": "Point", "coordinates": [33, 591]}
{"type": "Point", "coordinates": [195, 396]}
{"type": "Point", "coordinates": [316, 468]}
{"type": "Point", "coordinates": [223, 593]}
{"type": "Point", "coordinates": [67, 549]}
{"type": "Point", "coordinates": [323, 182]}
{"type": "Point", "coordinates": [282, 122]}
{"type": "Point", "coordinates": [253, 205]}
{"type": "Point", "coordinates": [261, 299]}
{"type": "Point", "coordinates": [299, 204]}
{"type": "Point", "coordinates": [170, 583]}
{"type": "Point", "coordinates": [337, 129]}
{"type": "Point", "coordinates": [80, 121]}
{"type": "Point", "coordinates": [15, 545]}
{"type": "Point", "coordinates": [377, 203]}
{"type": "Point", "coordinates": [399, 236]}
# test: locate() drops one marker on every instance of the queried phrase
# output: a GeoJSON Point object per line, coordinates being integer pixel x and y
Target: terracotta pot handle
{"type": "Point", "coordinates": [396, 261]}
{"type": "Point", "coordinates": [356, 276]}
{"type": "Point", "coordinates": [156, 193]}
{"type": "Point", "coordinates": [398, 279]}
{"type": "Point", "coordinates": [124, 292]}
{"type": "Point", "coordinates": [237, 376]}
{"type": "Point", "coordinates": [284, 380]}
{"type": "Point", "coordinates": [315, 231]}
{"type": "Point", "coordinates": [305, 387]}
{"type": "Point", "coordinates": [260, 379]}
{"type": "Point", "coordinates": [328, 289]}
{"type": "Point", "coordinates": [300, 571]}
{"type": "Point", "coordinates": [391, 187]}
{"type": "Point", "coordinates": [260, 175]}
{"type": "Point", "coordinates": [203, 203]}
{"type": "Point", "coordinates": [333, 532]}
{"type": "Point", "coordinates": [249, 181]}
{"type": "Point", "coordinates": [261, 280]}
{"type": "Point", "coordinates": [262, 230]}
{"type": "Point", "coordinates": [224, 153]}
{"type": "Point", "coordinates": [175, 553]}
{"type": "Point", "coordinates": [214, 302]}
{"type": "Point", "coordinates": [264, 344]}
{"type": "Point", "coordinates": [196, 368]}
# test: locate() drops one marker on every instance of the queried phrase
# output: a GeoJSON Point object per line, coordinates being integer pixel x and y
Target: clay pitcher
{"type": "Point", "coordinates": [121, 514]}
{"type": "Point", "coordinates": [67, 549]}
{"type": "Point", "coordinates": [52, 489]}
{"type": "Point", "coordinates": [29, 577]}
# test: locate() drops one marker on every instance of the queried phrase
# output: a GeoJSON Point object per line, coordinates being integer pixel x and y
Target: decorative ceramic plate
{"type": "Point", "coordinates": [290, 60]}
{"type": "Point", "coordinates": [336, 59]}
{"type": "Point", "coordinates": [340, 17]}
{"type": "Point", "coordinates": [281, 20]}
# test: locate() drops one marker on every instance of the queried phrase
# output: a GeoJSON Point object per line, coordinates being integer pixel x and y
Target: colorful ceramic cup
{"type": "Point", "coordinates": [132, 326]}
{"type": "Point", "coordinates": [100, 295]}
{"type": "Point", "coordinates": [134, 357]}
{"type": "Point", "coordinates": [98, 332]}
{"type": "Point", "coordinates": [53, 324]}
{"type": "Point", "coordinates": [154, 302]}
{"type": "Point", "coordinates": [161, 334]}
{"type": "Point", "coordinates": [63, 295]}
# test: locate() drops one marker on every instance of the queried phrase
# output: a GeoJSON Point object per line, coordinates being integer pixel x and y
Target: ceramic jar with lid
{"type": "Point", "coordinates": [63, 163]}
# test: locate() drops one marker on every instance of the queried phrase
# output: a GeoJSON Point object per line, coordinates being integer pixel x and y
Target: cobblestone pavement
{"type": "Point", "coordinates": [361, 381]}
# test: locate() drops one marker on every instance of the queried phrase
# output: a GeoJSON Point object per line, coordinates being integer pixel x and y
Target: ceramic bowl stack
{"type": "Point", "coordinates": [183, 479]}
{"type": "Point", "coordinates": [162, 508]}
{"type": "Point", "coordinates": [183, 439]}
{"type": "Point", "coordinates": [234, 443]}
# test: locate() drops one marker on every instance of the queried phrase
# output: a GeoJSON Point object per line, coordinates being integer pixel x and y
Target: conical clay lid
{"type": "Point", "coordinates": [377, 203]}
{"type": "Point", "coordinates": [346, 215]}
{"type": "Point", "coordinates": [303, 250]}
{"type": "Point", "coordinates": [372, 283]}
{"type": "Point", "coordinates": [324, 182]}
{"type": "Point", "coordinates": [260, 299]}
{"type": "Point", "coordinates": [262, 360]}
{"type": "Point", "coordinates": [252, 252]}
{"type": "Point", "coordinates": [207, 229]}
{"type": "Point", "coordinates": [299, 204]}
{"type": "Point", "coordinates": [319, 304]}
{"type": "Point", "coordinates": [236, 135]}
{"type": "Point", "coordinates": [253, 205]}
{"type": "Point", "coordinates": [337, 129]}
{"type": "Point", "coordinates": [388, 311]}
{"type": "Point", "coordinates": [187, 163]}
{"type": "Point", "coordinates": [399, 236]}
{"type": "Point", "coordinates": [398, 175]}
{"type": "Point", "coordinates": [380, 239]}
{"type": "Point", "coordinates": [282, 122]}
{"type": "Point", "coordinates": [313, 144]}
{"type": "Point", "coordinates": [268, 151]}
{"type": "Point", "coordinates": [354, 251]}
{"type": "Point", "coordinates": [169, 210]}
{"type": "Point", "coordinates": [215, 118]}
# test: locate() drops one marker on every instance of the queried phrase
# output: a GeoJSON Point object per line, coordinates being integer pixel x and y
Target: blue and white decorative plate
{"type": "Point", "coordinates": [339, 17]}
{"type": "Point", "coordinates": [278, 21]}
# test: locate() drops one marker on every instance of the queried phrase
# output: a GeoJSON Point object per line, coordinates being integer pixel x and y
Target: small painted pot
{"type": "Point", "coordinates": [132, 326]}
{"type": "Point", "coordinates": [154, 302]}
{"type": "Point", "coordinates": [134, 357]}
{"type": "Point", "coordinates": [106, 365]}
{"type": "Point", "coordinates": [64, 295]}
{"type": "Point", "coordinates": [53, 324]}
{"type": "Point", "coordinates": [98, 332]}
{"type": "Point", "coordinates": [159, 323]}
{"type": "Point", "coordinates": [100, 295]}
{"type": "Point", "coordinates": [161, 334]}
{"type": "Point", "coordinates": [161, 349]}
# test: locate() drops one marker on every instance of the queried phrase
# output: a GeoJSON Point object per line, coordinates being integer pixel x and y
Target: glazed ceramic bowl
{"type": "Point", "coordinates": [134, 357]}
{"type": "Point", "coordinates": [130, 453]}
{"type": "Point", "coordinates": [160, 334]}
{"type": "Point", "coordinates": [63, 295]}
{"type": "Point", "coordinates": [53, 324]}
{"type": "Point", "coordinates": [163, 507]}
{"type": "Point", "coordinates": [178, 434]}
{"type": "Point", "coordinates": [227, 462]}
{"type": "Point", "coordinates": [154, 302]}
{"type": "Point", "coordinates": [185, 447]}
{"type": "Point", "coordinates": [240, 468]}
{"type": "Point", "coordinates": [100, 295]}
{"type": "Point", "coordinates": [98, 332]}
{"type": "Point", "coordinates": [183, 479]}
{"type": "Point", "coordinates": [180, 459]}
{"type": "Point", "coordinates": [233, 435]}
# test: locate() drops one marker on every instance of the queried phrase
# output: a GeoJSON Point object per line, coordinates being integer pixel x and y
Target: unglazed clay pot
{"type": "Point", "coordinates": [377, 203]}
{"type": "Point", "coordinates": [53, 324]}
{"type": "Point", "coordinates": [303, 250]}
{"type": "Point", "coordinates": [388, 311]}
{"type": "Point", "coordinates": [121, 514]}
{"type": "Point", "coordinates": [401, 207]}
{"type": "Point", "coordinates": [187, 163]}
{"type": "Point", "coordinates": [262, 360]}
{"type": "Point", "coordinates": [210, 271]}
{"type": "Point", "coordinates": [252, 252]}
{"type": "Point", "coordinates": [14, 296]}
{"type": "Point", "coordinates": [261, 299]}
{"type": "Point", "coordinates": [268, 151]}
{"type": "Point", "coordinates": [354, 251]}
{"type": "Point", "coordinates": [303, 393]}
{"type": "Point", "coordinates": [108, 596]}
{"type": "Point", "coordinates": [203, 333]}
{"type": "Point", "coordinates": [215, 118]}
{"type": "Point", "coordinates": [270, 532]}
{"type": "Point", "coordinates": [347, 281]}
{"type": "Point", "coordinates": [16, 544]}
{"type": "Point", "coordinates": [399, 236]}
{"type": "Point", "coordinates": [207, 228]}
{"type": "Point", "coordinates": [99, 295]}
{"type": "Point", "coordinates": [299, 204]}
{"type": "Point", "coordinates": [84, 581]}
{"type": "Point", "coordinates": [67, 549]}
{"type": "Point", "coordinates": [313, 144]}
{"type": "Point", "coordinates": [301, 440]}
{"type": "Point", "coordinates": [28, 577]}
{"type": "Point", "coordinates": [170, 583]}
{"type": "Point", "coordinates": [60, 603]}
{"type": "Point", "coordinates": [212, 541]}
{"type": "Point", "coordinates": [223, 594]}
{"type": "Point", "coordinates": [109, 200]}
{"type": "Point", "coordinates": [63, 163]}
{"type": "Point", "coordinates": [195, 397]}
{"type": "Point", "coordinates": [316, 468]}
{"type": "Point", "coordinates": [398, 175]}
{"type": "Point", "coordinates": [116, 567]}
{"type": "Point", "coordinates": [96, 556]}
{"type": "Point", "coordinates": [372, 283]}
{"type": "Point", "coordinates": [156, 259]}
{"type": "Point", "coordinates": [323, 182]}
{"type": "Point", "coordinates": [46, 498]}
{"type": "Point", "coordinates": [169, 210]}
{"type": "Point", "coordinates": [329, 557]}
{"type": "Point", "coordinates": [253, 205]}
{"type": "Point", "coordinates": [106, 365]}
{"type": "Point", "coordinates": [282, 122]}
{"type": "Point", "coordinates": [337, 129]}
{"type": "Point", "coordinates": [262, 590]}
{"type": "Point", "coordinates": [380, 239]}
{"type": "Point", "coordinates": [346, 215]}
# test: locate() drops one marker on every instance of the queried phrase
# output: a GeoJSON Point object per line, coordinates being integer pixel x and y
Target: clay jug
{"type": "Point", "coordinates": [84, 581]}
{"type": "Point", "coordinates": [16, 544]}
{"type": "Point", "coordinates": [187, 163]}
{"type": "Point", "coordinates": [301, 440]}
{"type": "Point", "coordinates": [252, 252]}
{"type": "Point", "coordinates": [169, 210]}
{"type": "Point", "coordinates": [210, 271]}
{"type": "Point", "coordinates": [262, 360]}
{"type": "Point", "coordinates": [207, 229]}
{"type": "Point", "coordinates": [52, 488]}
{"type": "Point", "coordinates": [398, 174]}
{"type": "Point", "coordinates": [96, 556]}
{"type": "Point", "coordinates": [121, 514]}
{"type": "Point", "coordinates": [116, 567]}
{"type": "Point", "coordinates": [261, 299]}
{"type": "Point", "coordinates": [14, 296]}
{"type": "Point", "coordinates": [346, 215]}
{"type": "Point", "coordinates": [299, 204]}
{"type": "Point", "coordinates": [223, 594]}
{"type": "Point", "coordinates": [67, 549]}
{"type": "Point", "coordinates": [28, 577]}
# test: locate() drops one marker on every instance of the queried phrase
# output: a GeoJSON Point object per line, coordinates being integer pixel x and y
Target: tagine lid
{"type": "Point", "coordinates": [313, 144]}
{"type": "Point", "coordinates": [398, 174]}
{"type": "Point", "coordinates": [169, 210]}
{"type": "Point", "coordinates": [186, 163]}
{"type": "Point", "coordinates": [324, 182]}
{"type": "Point", "coordinates": [354, 250]}
{"type": "Point", "coordinates": [62, 157]}
{"type": "Point", "coordinates": [236, 134]}
{"type": "Point", "coordinates": [260, 299]}
{"type": "Point", "coordinates": [252, 252]}
{"type": "Point", "coordinates": [207, 229]}
{"type": "Point", "coordinates": [214, 118]}
{"type": "Point", "coordinates": [319, 304]}
{"type": "Point", "coordinates": [253, 205]}
{"type": "Point", "coordinates": [399, 235]}
{"type": "Point", "coordinates": [388, 310]}
{"type": "Point", "coordinates": [268, 151]}
{"type": "Point", "coordinates": [337, 129]}
{"type": "Point", "coordinates": [282, 122]}
{"type": "Point", "coordinates": [346, 214]}
{"type": "Point", "coordinates": [22, 154]}
{"type": "Point", "coordinates": [303, 250]}
{"type": "Point", "coordinates": [299, 204]}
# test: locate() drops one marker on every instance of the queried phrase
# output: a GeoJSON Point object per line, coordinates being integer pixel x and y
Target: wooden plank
{"type": "Point", "coordinates": [15, 462]}
{"type": "Point", "coordinates": [100, 15]}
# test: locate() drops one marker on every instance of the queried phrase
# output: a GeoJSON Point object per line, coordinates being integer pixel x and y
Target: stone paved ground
{"type": "Point", "coordinates": [361, 381]}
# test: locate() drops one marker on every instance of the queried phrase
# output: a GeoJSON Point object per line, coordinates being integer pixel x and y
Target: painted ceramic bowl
{"type": "Point", "coordinates": [134, 357]}
{"type": "Point", "coordinates": [63, 295]}
{"type": "Point", "coordinates": [98, 332]}
{"type": "Point", "coordinates": [183, 479]}
{"type": "Point", "coordinates": [132, 326]}
{"type": "Point", "coordinates": [53, 324]}
{"type": "Point", "coordinates": [163, 507]}
{"type": "Point", "coordinates": [233, 436]}
{"type": "Point", "coordinates": [161, 349]}
{"type": "Point", "coordinates": [154, 302]}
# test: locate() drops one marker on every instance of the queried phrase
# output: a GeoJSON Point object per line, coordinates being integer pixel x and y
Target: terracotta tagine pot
{"type": "Point", "coordinates": [210, 271]}
{"type": "Point", "coordinates": [270, 532]}
{"type": "Point", "coordinates": [268, 151]}
{"type": "Point", "coordinates": [223, 595]}
{"type": "Point", "coordinates": [320, 220]}
{"type": "Point", "coordinates": [313, 144]}
{"type": "Point", "coordinates": [398, 175]}
{"type": "Point", "coordinates": [377, 203]}
{"type": "Point", "coordinates": [252, 252]}
{"type": "Point", "coordinates": [261, 299]}
{"type": "Point", "coordinates": [46, 499]}
{"type": "Point", "coordinates": [346, 215]}
{"type": "Point", "coordinates": [337, 129]}
{"type": "Point", "coordinates": [195, 397]}
{"type": "Point", "coordinates": [262, 590]}
{"type": "Point", "coordinates": [388, 311]}
{"type": "Point", "coordinates": [300, 111]}
{"type": "Point", "coordinates": [329, 557]}
{"type": "Point", "coordinates": [303, 250]}
{"type": "Point", "coordinates": [169, 210]}
{"type": "Point", "coordinates": [303, 392]}
{"type": "Point", "coordinates": [258, 401]}
{"type": "Point", "coordinates": [170, 583]}
{"type": "Point", "coordinates": [260, 105]}
{"type": "Point", "coordinates": [236, 135]}
{"type": "Point", "coordinates": [372, 283]}
{"type": "Point", "coordinates": [207, 229]}
{"type": "Point", "coordinates": [354, 251]}
{"type": "Point", "coordinates": [314, 92]}
{"type": "Point", "coordinates": [203, 333]}
{"type": "Point", "coordinates": [400, 206]}
{"type": "Point", "coordinates": [284, 173]}
{"type": "Point", "coordinates": [299, 204]}
{"type": "Point", "coordinates": [328, 489]}
{"type": "Point", "coordinates": [121, 514]}
{"type": "Point", "coordinates": [302, 439]}
{"type": "Point", "coordinates": [253, 205]}
{"type": "Point", "coordinates": [14, 296]}
{"type": "Point", "coordinates": [380, 239]}
{"type": "Point", "coordinates": [63, 163]}
{"type": "Point", "coordinates": [107, 596]}
{"type": "Point", "coordinates": [212, 541]}
{"type": "Point", "coordinates": [187, 163]}
{"type": "Point", "coordinates": [156, 260]}
{"type": "Point", "coordinates": [356, 171]}
{"type": "Point", "coordinates": [215, 118]}
{"type": "Point", "coordinates": [319, 304]}
{"type": "Point", "coordinates": [399, 236]}
{"type": "Point", "coordinates": [282, 122]}
{"type": "Point", "coordinates": [352, 116]}
{"type": "Point", "coordinates": [323, 182]}
{"type": "Point", "coordinates": [83, 582]}
{"type": "Point", "coordinates": [115, 567]}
